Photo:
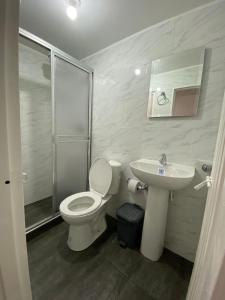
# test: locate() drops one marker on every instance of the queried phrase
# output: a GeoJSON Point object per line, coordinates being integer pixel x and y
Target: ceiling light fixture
{"type": "Point", "coordinates": [137, 72]}
{"type": "Point", "coordinates": [71, 9]}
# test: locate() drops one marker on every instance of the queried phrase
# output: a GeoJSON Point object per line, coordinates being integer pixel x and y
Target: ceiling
{"type": "Point", "coordinates": [100, 22]}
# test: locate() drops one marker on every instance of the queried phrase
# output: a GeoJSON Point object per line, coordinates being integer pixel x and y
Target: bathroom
{"type": "Point", "coordinates": [106, 134]}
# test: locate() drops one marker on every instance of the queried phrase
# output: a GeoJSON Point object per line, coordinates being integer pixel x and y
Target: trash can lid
{"type": "Point", "coordinates": [130, 212]}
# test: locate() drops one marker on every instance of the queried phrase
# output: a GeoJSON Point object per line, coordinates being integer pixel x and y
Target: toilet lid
{"type": "Point", "coordinates": [100, 176]}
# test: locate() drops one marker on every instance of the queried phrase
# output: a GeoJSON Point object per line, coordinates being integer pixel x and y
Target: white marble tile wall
{"type": "Point", "coordinates": [35, 114]}
{"type": "Point", "coordinates": [122, 132]}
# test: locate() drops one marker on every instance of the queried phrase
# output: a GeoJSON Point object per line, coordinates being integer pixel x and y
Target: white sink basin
{"type": "Point", "coordinates": [161, 180]}
{"type": "Point", "coordinates": [174, 177]}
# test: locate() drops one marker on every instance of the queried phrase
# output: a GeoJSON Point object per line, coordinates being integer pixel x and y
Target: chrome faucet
{"type": "Point", "coordinates": [163, 159]}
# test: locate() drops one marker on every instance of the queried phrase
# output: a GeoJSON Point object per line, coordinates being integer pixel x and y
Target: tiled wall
{"type": "Point", "coordinates": [35, 114]}
{"type": "Point", "coordinates": [122, 132]}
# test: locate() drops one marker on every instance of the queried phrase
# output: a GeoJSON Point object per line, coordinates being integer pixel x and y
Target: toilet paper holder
{"type": "Point", "coordinates": [141, 185]}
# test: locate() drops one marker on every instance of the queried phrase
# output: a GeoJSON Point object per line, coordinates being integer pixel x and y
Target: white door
{"type": "Point", "coordinates": [14, 275]}
{"type": "Point", "coordinates": [209, 265]}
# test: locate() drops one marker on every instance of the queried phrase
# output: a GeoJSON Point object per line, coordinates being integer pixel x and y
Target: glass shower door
{"type": "Point", "coordinates": [71, 92]}
{"type": "Point", "coordinates": [36, 131]}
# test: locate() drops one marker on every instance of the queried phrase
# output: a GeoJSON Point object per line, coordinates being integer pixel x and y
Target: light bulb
{"type": "Point", "coordinates": [137, 72]}
{"type": "Point", "coordinates": [71, 12]}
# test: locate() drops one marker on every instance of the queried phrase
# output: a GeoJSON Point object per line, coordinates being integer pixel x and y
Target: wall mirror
{"type": "Point", "coordinates": [175, 84]}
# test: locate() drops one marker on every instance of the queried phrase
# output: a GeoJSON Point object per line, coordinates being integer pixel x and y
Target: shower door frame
{"type": "Point", "coordinates": [55, 52]}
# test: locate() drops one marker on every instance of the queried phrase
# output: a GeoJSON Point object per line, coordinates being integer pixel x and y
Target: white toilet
{"type": "Point", "coordinates": [85, 212]}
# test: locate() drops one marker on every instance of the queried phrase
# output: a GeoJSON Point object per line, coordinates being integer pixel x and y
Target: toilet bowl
{"type": "Point", "coordinates": [85, 212]}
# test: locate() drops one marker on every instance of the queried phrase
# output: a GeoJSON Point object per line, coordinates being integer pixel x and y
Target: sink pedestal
{"type": "Point", "coordinates": [155, 221]}
{"type": "Point", "coordinates": [160, 181]}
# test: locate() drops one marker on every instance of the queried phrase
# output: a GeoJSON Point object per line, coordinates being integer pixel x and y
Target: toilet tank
{"type": "Point", "coordinates": [116, 175]}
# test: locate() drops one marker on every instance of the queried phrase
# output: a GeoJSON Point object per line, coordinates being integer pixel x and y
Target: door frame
{"type": "Point", "coordinates": [14, 273]}
{"type": "Point", "coordinates": [200, 287]}
{"type": "Point", "coordinates": [14, 276]}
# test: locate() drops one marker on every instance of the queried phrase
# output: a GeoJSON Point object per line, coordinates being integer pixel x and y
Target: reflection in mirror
{"type": "Point", "coordinates": [175, 84]}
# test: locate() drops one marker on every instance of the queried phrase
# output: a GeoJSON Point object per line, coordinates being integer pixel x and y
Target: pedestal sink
{"type": "Point", "coordinates": [161, 180]}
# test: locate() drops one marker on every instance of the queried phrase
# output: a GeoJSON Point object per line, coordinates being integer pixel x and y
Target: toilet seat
{"type": "Point", "coordinates": [80, 204]}
{"type": "Point", "coordinates": [100, 176]}
{"type": "Point", "coordinates": [86, 203]}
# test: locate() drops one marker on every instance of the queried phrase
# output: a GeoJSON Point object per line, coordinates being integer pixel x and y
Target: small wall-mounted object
{"type": "Point", "coordinates": [175, 84]}
{"type": "Point", "coordinates": [135, 185]}
{"type": "Point", "coordinates": [207, 168]}
{"type": "Point", "coordinates": [25, 177]}
{"type": "Point", "coordinates": [207, 182]}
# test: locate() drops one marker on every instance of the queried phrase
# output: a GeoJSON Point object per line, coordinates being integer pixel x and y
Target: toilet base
{"type": "Point", "coordinates": [81, 236]}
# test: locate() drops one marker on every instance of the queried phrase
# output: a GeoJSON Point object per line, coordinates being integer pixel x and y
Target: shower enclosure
{"type": "Point", "coordinates": [55, 110]}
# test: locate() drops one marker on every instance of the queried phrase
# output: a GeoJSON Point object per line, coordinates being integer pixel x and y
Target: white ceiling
{"type": "Point", "coordinates": [100, 22]}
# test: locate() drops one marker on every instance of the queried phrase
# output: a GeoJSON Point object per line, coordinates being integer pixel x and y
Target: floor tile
{"type": "Point", "coordinates": [37, 211]}
{"type": "Point", "coordinates": [162, 279]}
{"type": "Point", "coordinates": [124, 259]}
{"type": "Point", "coordinates": [99, 281]}
{"type": "Point", "coordinates": [104, 271]}
{"type": "Point", "coordinates": [132, 292]}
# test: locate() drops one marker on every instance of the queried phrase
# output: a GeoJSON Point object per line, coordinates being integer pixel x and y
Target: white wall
{"type": "Point", "coordinates": [36, 123]}
{"type": "Point", "coordinates": [122, 132]}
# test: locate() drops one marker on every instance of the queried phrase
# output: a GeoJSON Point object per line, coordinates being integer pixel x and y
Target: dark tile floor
{"type": "Point", "coordinates": [104, 271]}
{"type": "Point", "coordinates": [38, 211]}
